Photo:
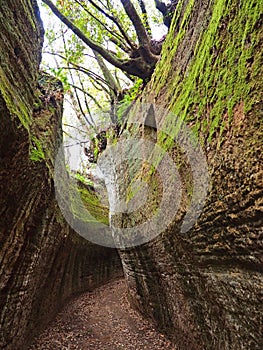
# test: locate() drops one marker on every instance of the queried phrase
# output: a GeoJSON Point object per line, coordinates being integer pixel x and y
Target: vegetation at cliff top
{"type": "Point", "coordinates": [102, 48]}
{"type": "Point", "coordinates": [103, 52]}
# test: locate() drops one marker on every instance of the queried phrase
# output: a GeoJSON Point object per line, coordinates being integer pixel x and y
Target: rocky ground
{"type": "Point", "coordinates": [101, 320]}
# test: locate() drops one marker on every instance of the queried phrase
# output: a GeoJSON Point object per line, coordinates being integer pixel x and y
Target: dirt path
{"type": "Point", "coordinates": [101, 320]}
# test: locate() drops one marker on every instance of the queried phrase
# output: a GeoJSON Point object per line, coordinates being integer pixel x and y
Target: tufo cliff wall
{"type": "Point", "coordinates": [42, 261]}
{"type": "Point", "coordinates": [203, 287]}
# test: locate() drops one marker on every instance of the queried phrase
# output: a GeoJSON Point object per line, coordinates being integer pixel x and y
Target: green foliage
{"type": "Point", "coordinates": [62, 75]}
{"type": "Point", "coordinates": [36, 150]}
{"type": "Point", "coordinates": [83, 179]}
{"type": "Point", "coordinates": [129, 97]}
{"type": "Point", "coordinates": [75, 64]}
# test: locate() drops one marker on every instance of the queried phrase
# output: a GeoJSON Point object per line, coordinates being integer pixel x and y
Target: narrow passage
{"type": "Point", "coordinates": [101, 320]}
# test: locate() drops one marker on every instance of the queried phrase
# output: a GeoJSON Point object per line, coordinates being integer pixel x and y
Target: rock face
{"type": "Point", "coordinates": [203, 287]}
{"type": "Point", "coordinates": [42, 261]}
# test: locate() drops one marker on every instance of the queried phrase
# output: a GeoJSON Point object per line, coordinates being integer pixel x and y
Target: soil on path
{"type": "Point", "coordinates": [101, 320]}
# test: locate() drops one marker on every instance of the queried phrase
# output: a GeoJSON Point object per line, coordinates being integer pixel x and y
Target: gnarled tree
{"type": "Point", "coordinates": [129, 48]}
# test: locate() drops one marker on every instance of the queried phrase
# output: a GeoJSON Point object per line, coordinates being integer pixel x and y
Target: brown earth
{"type": "Point", "coordinates": [101, 320]}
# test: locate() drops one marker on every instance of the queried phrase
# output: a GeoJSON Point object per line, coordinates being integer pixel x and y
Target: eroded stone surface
{"type": "Point", "coordinates": [42, 261]}
{"type": "Point", "coordinates": [204, 287]}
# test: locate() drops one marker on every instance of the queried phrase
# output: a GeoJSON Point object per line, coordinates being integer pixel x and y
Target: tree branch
{"type": "Point", "coordinates": [141, 66]}
{"type": "Point", "coordinates": [112, 32]}
{"type": "Point", "coordinates": [116, 21]}
{"type": "Point", "coordinates": [89, 95]}
{"type": "Point", "coordinates": [84, 70]}
{"type": "Point", "coordinates": [93, 45]}
{"type": "Point", "coordinates": [142, 35]}
{"type": "Point", "coordinates": [115, 87]}
{"type": "Point", "coordinates": [145, 16]}
{"type": "Point", "coordinates": [137, 23]}
{"type": "Point", "coordinates": [85, 98]}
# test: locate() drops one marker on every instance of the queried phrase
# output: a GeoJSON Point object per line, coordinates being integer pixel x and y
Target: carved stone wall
{"type": "Point", "coordinates": [203, 287]}
{"type": "Point", "coordinates": [42, 261]}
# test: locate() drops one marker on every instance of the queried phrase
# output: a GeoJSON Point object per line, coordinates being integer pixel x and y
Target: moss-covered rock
{"type": "Point", "coordinates": [42, 260]}
{"type": "Point", "coordinates": [203, 287]}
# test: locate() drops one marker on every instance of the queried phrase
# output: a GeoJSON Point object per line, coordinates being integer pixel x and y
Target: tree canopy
{"type": "Point", "coordinates": [110, 44]}
{"type": "Point", "coordinates": [99, 22]}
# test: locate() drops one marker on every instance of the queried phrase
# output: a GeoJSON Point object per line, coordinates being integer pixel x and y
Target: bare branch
{"type": "Point", "coordinates": [85, 98]}
{"type": "Point", "coordinates": [99, 80]}
{"type": "Point", "coordinates": [112, 32]}
{"type": "Point", "coordinates": [89, 95]}
{"type": "Point", "coordinates": [74, 87]}
{"type": "Point", "coordinates": [75, 127]}
{"type": "Point", "coordinates": [115, 87]}
{"type": "Point", "coordinates": [117, 22]}
{"type": "Point", "coordinates": [137, 23]}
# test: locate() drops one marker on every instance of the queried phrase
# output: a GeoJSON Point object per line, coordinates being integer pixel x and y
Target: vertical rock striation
{"type": "Point", "coordinates": [203, 287]}
{"type": "Point", "coordinates": [42, 261]}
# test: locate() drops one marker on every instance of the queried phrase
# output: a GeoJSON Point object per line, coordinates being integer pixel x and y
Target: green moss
{"type": "Point", "coordinates": [161, 75]}
{"type": "Point", "coordinates": [14, 102]}
{"type": "Point", "coordinates": [83, 179]}
{"type": "Point", "coordinates": [30, 13]}
{"type": "Point", "coordinates": [223, 71]}
{"type": "Point", "coordinates": [90, 208]}
{"type": "Point", "coordinates": [36, 150]}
